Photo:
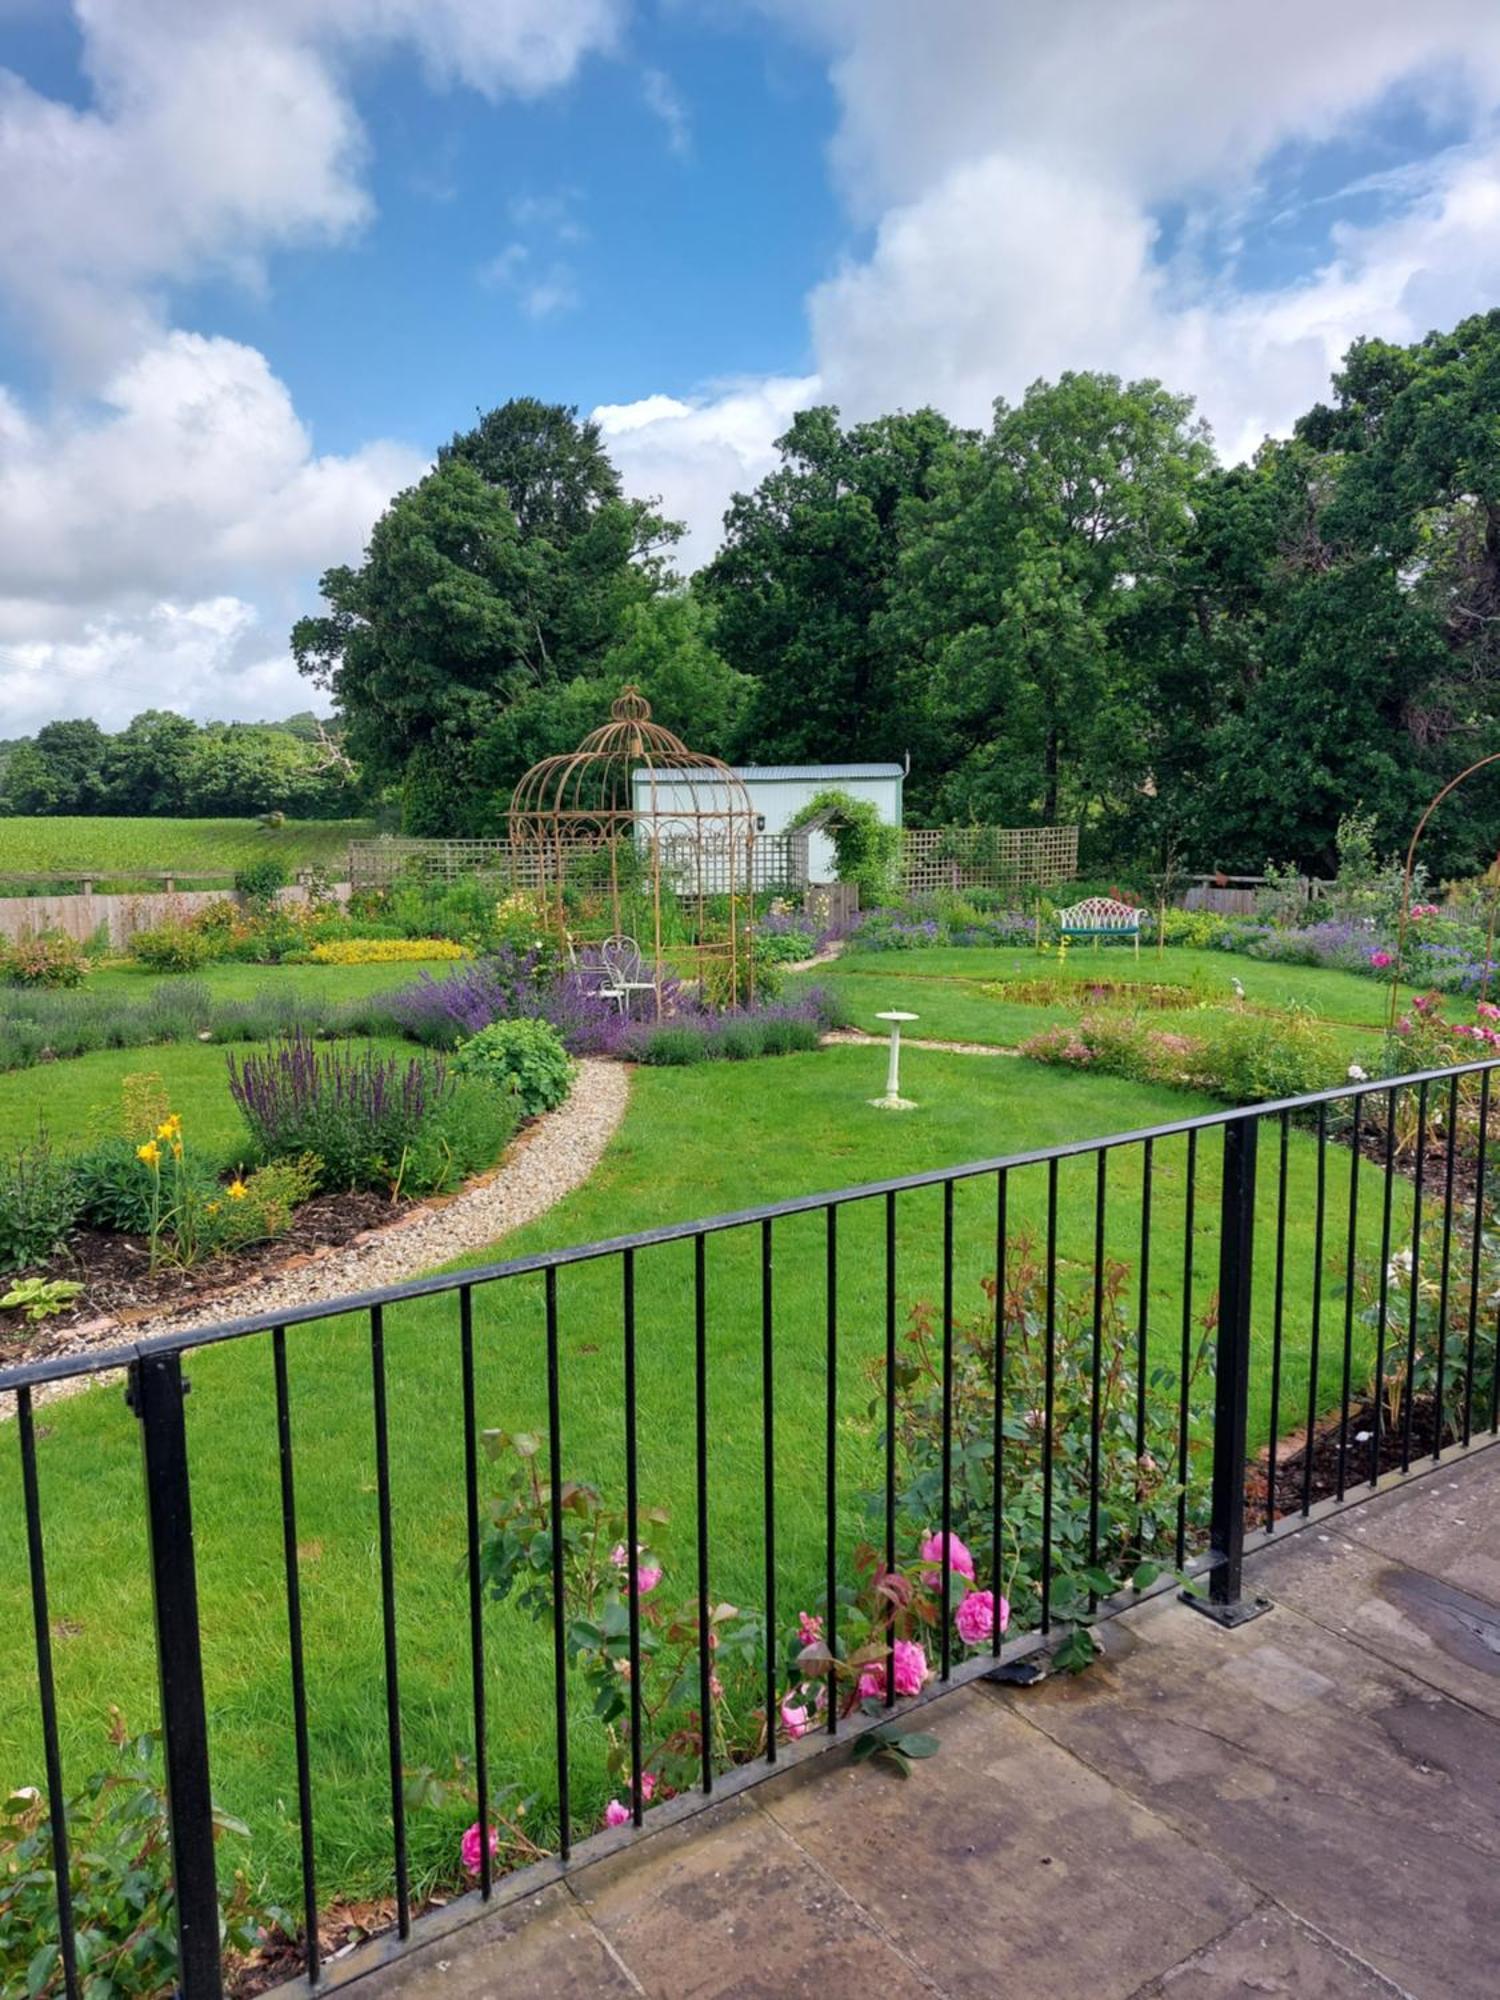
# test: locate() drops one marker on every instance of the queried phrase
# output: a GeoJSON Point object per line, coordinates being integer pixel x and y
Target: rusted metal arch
{"type": "Point", "coordinates": [1411, 861]}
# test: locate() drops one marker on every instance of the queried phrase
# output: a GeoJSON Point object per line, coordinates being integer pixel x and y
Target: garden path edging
{"type": "Point", "coordinates": [547, 1161]}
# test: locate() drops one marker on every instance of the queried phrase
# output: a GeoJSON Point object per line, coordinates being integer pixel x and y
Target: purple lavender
{"type": "Point", "coordinates": [359, 1113]}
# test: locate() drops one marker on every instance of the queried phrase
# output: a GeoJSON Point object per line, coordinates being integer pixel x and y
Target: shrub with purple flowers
{"type": "Point", "coordinates": [370, 1120]}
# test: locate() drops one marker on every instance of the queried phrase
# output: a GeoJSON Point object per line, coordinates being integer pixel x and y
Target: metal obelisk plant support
{"type": "Point", "coordinates": [1411, 861]}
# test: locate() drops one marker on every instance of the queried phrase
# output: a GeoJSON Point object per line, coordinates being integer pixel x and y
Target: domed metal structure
{"type": "Point", "coordinates": [635, 836]}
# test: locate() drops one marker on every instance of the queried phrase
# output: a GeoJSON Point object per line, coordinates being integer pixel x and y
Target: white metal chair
{"type": "Point", "coordinates": [623, 966]}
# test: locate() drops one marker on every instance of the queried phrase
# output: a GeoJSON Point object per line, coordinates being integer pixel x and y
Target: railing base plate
{"type": "Point", "coordinates": [1240, 1612]}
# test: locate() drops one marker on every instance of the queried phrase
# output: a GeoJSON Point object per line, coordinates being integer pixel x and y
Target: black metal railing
{"type": "Point", "coordinates": [1369, 1289]}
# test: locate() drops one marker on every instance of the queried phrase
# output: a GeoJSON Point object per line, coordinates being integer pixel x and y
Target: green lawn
{"type": "Point", "coordinates": [694, 1142]}
{"type": "Point", "coordinates": [238, 982]}
{"type": "Point", "coordinates": [123, 847]}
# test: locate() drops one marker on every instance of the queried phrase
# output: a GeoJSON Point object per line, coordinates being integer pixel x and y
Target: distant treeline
{"type": "Point", "coordinates": [162, 764]}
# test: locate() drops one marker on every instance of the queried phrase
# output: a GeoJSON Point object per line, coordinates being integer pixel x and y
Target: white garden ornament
{"type": "Point", "coordinates": [893, 1100]}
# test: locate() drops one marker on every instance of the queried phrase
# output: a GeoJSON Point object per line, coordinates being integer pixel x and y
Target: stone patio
{"type": "Point", "coordinates": [1307, 1806]}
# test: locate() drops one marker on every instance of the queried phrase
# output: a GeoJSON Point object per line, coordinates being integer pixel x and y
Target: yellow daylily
{"type": "Point", "coordinates": [150, 1153]}
{"type": "Point", "coordinates": [171, 1129]}
{"type": "Point", "coordinates": [237, 1190]}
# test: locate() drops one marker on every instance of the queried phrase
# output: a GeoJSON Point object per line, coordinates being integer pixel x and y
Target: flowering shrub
{"type": "Point", "coordinates": [697, 1035]}
{"type": "Point", "coordinates": [384, 951]}
{"type": "Point", "coordinates": [124, 1904]}
{"type": "Point", "coordinates": [173, 946]}
{"type": "Point", "coordinates": [1411, 1367]}
{"type": "Point", "coordinates": [508, 985]}
{"type": "Point", "coordinates": [49, 960]}
{"type": "Point", "coordinates": [369, 1120]}
{"type": "Point", "coordinates": [1139, 1493]}
{"type": "Point", "coordinates": [1243, 1058]}
{"type": "Point", "coordinates": [524, 1058]}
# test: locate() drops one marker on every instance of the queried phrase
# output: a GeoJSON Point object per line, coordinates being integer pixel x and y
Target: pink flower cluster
{"type": "Point", "coordinates": [1381, 959]}
{"type": "Point", "coordinates": [647, 1574]}
{"type": "Point", "coordinates": [1420, 910]}
{"type": "Point", "coordinates": [912, 1672]}
{"type": "Point", "coordinates": [471, 1847]}
{"type": "Point", "coordinates": [1488, 1036]}
{"type": "Point", "coordinates": [974, 1618]}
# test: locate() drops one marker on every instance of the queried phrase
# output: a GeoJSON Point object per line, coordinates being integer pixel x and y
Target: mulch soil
{"type": "Point", "coordinates": [1311, 1472]}
{"type": "Point", "coordinates": [118, 1282]}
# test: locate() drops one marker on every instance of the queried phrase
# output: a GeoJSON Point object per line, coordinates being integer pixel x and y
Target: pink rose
{"type": "Point", "coordinates": [959, 1560]}
{"type": "Point", "coordinates": [809, 1628]}
{"type": "Point", "coordinates": [616, 1815]}
{"type": "Point", "coordinates": [1380, 960]}
{"type": "Point", "coordinates": [911, 1671]}
{"type": "Point", "coordinates": [647, 1575]}
{"type": "Point", "coordinates": [470, 1851]}
{"type": "Point", "coordinates": [794, 1719]}
{"type": "Point", "coordinates": [975, 1617]}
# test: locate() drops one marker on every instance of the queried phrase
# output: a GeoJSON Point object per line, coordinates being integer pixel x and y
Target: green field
{"type": "Point", "coordinates": [121, 849]}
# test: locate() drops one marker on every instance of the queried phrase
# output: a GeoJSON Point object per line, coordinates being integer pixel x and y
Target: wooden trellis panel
{"type": "Point", "coordinates": [778, 862]}
{"type": "Point", "coordinates": [987, 857]}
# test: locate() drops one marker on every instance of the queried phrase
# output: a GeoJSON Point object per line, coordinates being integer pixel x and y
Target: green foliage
{"type": "Point", "coordinates": [522, 1059]}
{"type": "Point", "coordinates": [172, 946]}
{"type": "Point", "coordinates": [1243, 1057]}
{"type": "Point", "coordinates": [38, 1204]}
{"type": "Point", "coordinates": [124, 1905]}
{"type": "Point", "coordinates": [259, 882]}
{"type": "Point", "coordinates": [867, 849]}
{"type": "Point", "coordinates": [50, 960]}
{"type": "Point", "coordinates": [40, 1298]}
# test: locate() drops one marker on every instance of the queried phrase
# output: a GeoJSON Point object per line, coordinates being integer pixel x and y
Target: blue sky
{"type": "Point", "coordinates": [259, 257]}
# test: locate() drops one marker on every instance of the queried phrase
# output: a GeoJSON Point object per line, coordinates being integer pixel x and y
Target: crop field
{"type": "Point", "coordinates": [122, 851]}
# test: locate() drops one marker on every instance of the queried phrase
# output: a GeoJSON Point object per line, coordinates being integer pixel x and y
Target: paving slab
{"type": "Point", "coordinates": [1269, 1954]}
{"type": "Point", "coordinates": [1444, 1523]}
{"type": "Point", "coordinates": [541, 1948]}
{"type": "Point", "coordinates": [1446, 1636]}
{"type": "Point", "coordinates": [1005, 1866]}
{"type": "Point", "coordinates": [1361, 1799]}
{"type": "Point", "coordinates": [727, 1907]}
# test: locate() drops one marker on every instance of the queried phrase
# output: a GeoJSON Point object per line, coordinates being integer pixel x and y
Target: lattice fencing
{"type": "Point", "coordinates": [987, 857]}
{"type": "Point", "coordinates": [691, 864]}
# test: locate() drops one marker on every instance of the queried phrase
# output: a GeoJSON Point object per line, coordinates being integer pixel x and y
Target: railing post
{"type": "Point", "coordinates": [156, 1393]}
{"type": "Point", "coordinates": [1224, 1603]}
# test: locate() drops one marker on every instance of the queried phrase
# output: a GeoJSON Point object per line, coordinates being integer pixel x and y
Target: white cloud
{"type": "Point", "coordinates": [163, 523]}
{"type": "Point", "coordinates": [664, 101]}
{"type": "Point", "coordinates": [695, 454]}
{"type": "Point", "coordinates": [1011, 163]}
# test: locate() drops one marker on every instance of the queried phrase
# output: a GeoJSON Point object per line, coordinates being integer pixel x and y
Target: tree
{"type": "Point", "coordinates": [511, 567]}
{"type": "Point", "coordinates": [804, 579]}
{"type": "Point", "coordinates": [146, 763]}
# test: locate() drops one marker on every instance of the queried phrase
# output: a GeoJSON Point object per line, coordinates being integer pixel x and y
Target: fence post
{"type": "Point", "coordinates": [156, 1393]}
{"type": "Point", "coordinates": [1224, 1603]}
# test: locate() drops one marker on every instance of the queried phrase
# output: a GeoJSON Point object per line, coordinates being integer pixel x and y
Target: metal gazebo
{"type": "Point", "coordinates": [635, 839]}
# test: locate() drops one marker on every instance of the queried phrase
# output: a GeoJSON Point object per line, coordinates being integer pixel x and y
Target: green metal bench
{"type": "Point", "coordinates": [1099, 917]}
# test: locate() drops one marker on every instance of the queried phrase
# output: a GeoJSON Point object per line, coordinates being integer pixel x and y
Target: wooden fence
{"type": "Point", "coordinates": [987, 857]}
{"type": "Point", "coordinates": [120, 916]}
{"type": "Point", "coordinates": [1239, 895]}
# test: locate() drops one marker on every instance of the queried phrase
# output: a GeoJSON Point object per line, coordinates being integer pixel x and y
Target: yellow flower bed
{"type": "Point", "coordinates": [386, 951]}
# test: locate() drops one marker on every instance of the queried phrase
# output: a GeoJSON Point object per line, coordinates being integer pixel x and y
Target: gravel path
{"type": "Point", "coordinates": [548, 1160]}
{"type": "Point", "coordinates": [856, 1037]}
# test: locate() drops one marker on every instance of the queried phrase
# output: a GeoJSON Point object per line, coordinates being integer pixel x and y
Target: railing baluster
{"type": "Point", "coordinates": [768, 1462]}
{"type": "Point", "coordinates": [1142, 1342]}
{"type": "Point", "coordinates": [1443, 1287]}
{"type": "Point", "coordinates": [1408, 1398]}
{"type": "Point", "coordinates": [157, 1390]}
{"type": "Point", "coordinates": [476, 1582]}
{"type": "Point", "coordinates": [1474, 1250]}
{"type": "Point", "coordinates": [1349, 1260]}
{"type": "Point", "coordinates": [388, 1619]}
{"type": "Point", "coordinates": [632, 1537]}
{"type": "Point", "coordinates": [47, 1694]}
{"type": "Point", "coordinates": [1382, 1316]}
{"type": "Point", "coordinates": [291, 1562]}
{"type": "Point", "coordinates": [830, 1446]}
{"type": "Point", "coordinates": [1049, 1395]}
{"type": "Point", "coordinates": [890, 1441]}
{"type": "Point", "coordinates": [1185, 1357]}
{"type": "Point", "coordinates": [945, 1574]}
{"type": "Point", "coordinates": [1232, 1373]}
{"type": "Point", "coordinates": [997, 1529]}
{"type": "Point", "coordinates": [700, 1411]}
{"type": "Point", "coordinates": [1096, 1385]}
{"type": "Point", "coordinates": [1278, 1317]}
{"type": "Point", "coordinates": [559, 1591]}
{"type": "Point", "coordinates": [1315, 1328]}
